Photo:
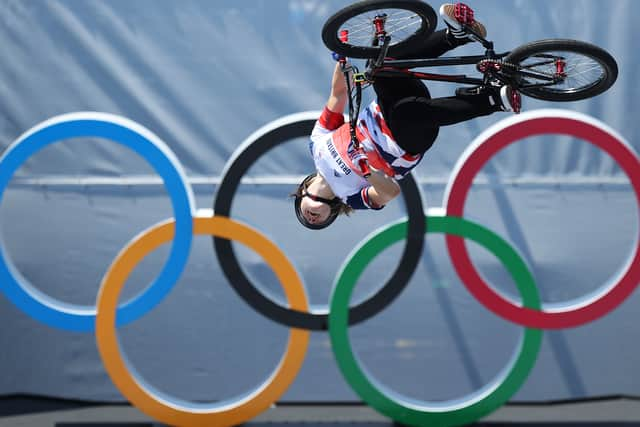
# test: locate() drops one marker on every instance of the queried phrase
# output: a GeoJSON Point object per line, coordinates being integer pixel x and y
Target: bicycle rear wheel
{"type": "Point", "coordinates": [586, 70]}
{"type": "Point", "coordinates": [408, 23]}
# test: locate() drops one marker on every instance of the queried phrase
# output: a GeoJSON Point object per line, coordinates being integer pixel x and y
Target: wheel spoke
{"type": "Point", "coordinates": [581, 71]}
{"type": "Point", "coordinates": [400, 24]}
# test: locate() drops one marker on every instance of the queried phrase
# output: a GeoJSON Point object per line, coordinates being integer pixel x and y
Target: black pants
{"type": "Point", "coordinates": [413, 116]}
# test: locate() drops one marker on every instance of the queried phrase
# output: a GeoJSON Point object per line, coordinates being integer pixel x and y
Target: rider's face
{"type": "Point", "coordinates": [313, 211]}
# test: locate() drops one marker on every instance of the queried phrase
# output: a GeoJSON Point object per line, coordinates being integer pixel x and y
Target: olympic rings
{"type": "Point", "coordinates": [340, 316]}
{"type": "Point", "coordinates": [130, 134]}
{"type": "Point", "coordinates": [261, 141]}
{"type": "Point", "coordinates": [491, 141]}
{"type": "Point", "coordinates": [175, 412]}
{"type": "Point", "coordinates": [468, 408]}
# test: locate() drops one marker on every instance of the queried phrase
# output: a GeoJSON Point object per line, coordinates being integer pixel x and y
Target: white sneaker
{"type": "Point", "coordinates": [454, 15]}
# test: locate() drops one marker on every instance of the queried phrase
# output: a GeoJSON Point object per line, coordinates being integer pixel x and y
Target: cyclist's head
{"type": "Point", "coordinates": [316, 212]}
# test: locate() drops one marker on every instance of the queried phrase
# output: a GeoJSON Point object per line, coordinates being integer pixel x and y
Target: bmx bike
{"type": "Point", "coordinates": [385, 31]}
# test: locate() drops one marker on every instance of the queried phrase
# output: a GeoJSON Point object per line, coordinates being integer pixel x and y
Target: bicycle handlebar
{"type": "Point", "coordinates": [354, 110]}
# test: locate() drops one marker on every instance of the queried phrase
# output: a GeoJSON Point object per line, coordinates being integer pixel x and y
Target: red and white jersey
{"type": "Point", "coordinates": [330, 141]}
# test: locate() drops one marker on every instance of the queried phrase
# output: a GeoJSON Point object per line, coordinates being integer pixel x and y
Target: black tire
{"type": "Point", "coordinates": [402, 44]}
{"type": "Point", "coordinates": [604, 69]}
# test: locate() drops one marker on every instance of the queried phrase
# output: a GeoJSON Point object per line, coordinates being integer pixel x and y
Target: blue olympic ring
{"type": "Point", "coordinates": [134, 136]}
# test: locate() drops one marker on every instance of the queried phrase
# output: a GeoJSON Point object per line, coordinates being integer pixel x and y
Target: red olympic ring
{"type": "Point", "coordinates": [487, 144]}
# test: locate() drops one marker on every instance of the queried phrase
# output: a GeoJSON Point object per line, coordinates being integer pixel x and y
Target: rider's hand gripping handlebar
{"type": "Point", "coordinates": [358, 156]}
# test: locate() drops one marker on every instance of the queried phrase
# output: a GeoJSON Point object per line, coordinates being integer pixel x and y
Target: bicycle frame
{"type": "Point", "coordinates": [402, 68]}
{"type": "Point", "coordinates": [385, 67]}
{"type": "Point", "coordinates": [557, 70]}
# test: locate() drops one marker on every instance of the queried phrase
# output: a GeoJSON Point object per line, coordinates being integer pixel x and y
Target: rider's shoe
{"type": "Point", "coordinates": [504, 96]}
{"type": "Point", "coordinates": [454, 15]}
{"type": "Point", "coordinates": [510, 99]}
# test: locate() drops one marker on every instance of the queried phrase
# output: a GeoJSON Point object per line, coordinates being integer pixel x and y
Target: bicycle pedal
{"type": "Point", "coordinates": [464, 14]}
{"type": "Point", "coordinates": [470, 91]}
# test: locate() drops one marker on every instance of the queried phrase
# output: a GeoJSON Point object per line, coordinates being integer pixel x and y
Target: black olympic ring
{"type": "Point", "coordinates": [257, 144]}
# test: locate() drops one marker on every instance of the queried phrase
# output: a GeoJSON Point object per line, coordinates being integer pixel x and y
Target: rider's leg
{"type": "Point", "coordinates": [440, 42]}
{"type": "Point", "coordinates": [413, 120]}
{"type": "Point", "coordinates": [437, 44]}
{"type": "Point", "coordinates": [444, 111]}
{"type": "Point", "coordinates": [391, 90]}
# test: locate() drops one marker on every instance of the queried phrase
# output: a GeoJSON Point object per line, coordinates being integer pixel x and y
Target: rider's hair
{"type": "Point", "coordinates": [337, 206]}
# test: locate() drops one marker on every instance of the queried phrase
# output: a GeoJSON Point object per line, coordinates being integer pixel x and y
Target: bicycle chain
{"type": "Point", "coordinates": [498, 65]}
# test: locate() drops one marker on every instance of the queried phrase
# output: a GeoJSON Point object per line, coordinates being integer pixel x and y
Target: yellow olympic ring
{"type": "Point", "coordinates": [220, 414]}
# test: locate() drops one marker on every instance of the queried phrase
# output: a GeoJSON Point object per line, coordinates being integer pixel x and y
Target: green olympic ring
{"type": "Point", "coordinates": [444, 414]}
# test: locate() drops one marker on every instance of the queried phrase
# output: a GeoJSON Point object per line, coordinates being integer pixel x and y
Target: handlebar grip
{"type": "Point", "coordinates": [364, 167]}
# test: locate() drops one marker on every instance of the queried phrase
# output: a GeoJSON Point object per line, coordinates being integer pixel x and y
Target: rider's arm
{"type": "Point", "coordinates": [383, 188]}
{"type": "Point", "coordinates": [339, 94]}
{"type": "Point", "coordinates": [333, 115]}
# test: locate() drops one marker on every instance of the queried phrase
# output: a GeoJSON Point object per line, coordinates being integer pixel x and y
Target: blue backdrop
{"type": "Point", "coordinates": [203, 76]}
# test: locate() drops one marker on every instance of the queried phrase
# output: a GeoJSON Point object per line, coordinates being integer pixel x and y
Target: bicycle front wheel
{"type": "Point", "coordinates": [563, 70]}
{"type": "Point", "coordinates": [407, 22]}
